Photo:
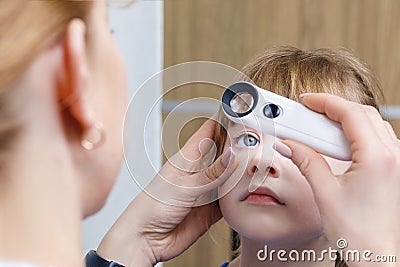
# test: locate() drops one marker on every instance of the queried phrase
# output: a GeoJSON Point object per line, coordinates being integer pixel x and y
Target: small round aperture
{"type": "Point", "coordinates": [272, 111]}
{"type": "Point", "coordinates": [240, 99]}
{"type": "Point", "coordinates": [241, 102]}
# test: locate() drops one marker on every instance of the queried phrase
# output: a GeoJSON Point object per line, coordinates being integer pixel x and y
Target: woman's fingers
{"type": "Point", "coordinates": [380, 125]}
{"type": "Point", "coordinates": [207, 181]}
{"type": "Point", "coordinates": [313, 166]}
{"type": "Point", "coordinates": [364, 136]}
{"type": "Point", "coordinates": [199, 151]}
{"type": "Point", "coordinates": [188, 190]}
{"type": "Point", "coordinates": [391, 132]}
{"type": "Point", "coordinates": [217, 173]}
{"type": "Point", "coordinates": [192, 149]}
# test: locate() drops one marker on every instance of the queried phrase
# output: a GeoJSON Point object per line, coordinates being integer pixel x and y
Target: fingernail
{"type": "Point", "coordinates": [228, 156]}
{"type": "Point", "coordinates": [301, 96]}
{"type": "Point", "coordinates": [283, 149]}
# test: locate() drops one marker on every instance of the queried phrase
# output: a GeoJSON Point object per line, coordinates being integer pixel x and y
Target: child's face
{"type": "Point", "coordinates": [282, 210]}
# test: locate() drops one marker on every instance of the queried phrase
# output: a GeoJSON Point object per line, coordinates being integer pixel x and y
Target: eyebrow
{"type": "Point", "coordinates": [240, 126]}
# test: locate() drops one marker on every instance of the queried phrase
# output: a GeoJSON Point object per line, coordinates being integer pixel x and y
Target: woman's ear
{"type": "Point", "coordinates": [74, 89]}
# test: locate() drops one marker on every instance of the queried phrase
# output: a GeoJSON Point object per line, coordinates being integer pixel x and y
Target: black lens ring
{"type": "Point", "coordinates": [233, 90]}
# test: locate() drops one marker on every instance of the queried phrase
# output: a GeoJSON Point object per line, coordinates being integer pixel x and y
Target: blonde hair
{"type": "Point", "coordinates": [26, 28]}
{"type": "Point", "coordinates": [289, 72]}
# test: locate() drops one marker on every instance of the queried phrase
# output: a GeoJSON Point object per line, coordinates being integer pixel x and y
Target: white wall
{"type": "Point", "coordinates": [138, 30]}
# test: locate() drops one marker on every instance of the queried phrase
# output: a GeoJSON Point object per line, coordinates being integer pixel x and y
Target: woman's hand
{"type": "Point", "coordinates": [362, 205]}
{"type": "Point", "coordinates": [165, 220]}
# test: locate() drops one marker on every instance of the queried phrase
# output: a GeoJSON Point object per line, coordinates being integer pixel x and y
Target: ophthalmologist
{"type": "Point", "coordinates": [62, 100]}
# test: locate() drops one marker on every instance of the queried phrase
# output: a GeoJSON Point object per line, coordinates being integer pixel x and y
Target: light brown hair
{"type": "Point", "coordinates": [289, 72]}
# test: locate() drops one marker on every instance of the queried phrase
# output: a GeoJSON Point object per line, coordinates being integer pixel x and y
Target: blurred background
{"type": "Point", "coordinates": [235, 31]}
{"type": "Point", "coordinates": [158, 34]}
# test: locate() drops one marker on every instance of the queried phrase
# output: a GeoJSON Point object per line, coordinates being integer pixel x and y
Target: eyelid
{"type": "Point", "coordinates": [245, 133]}
{"type": "Point", "coordinates": [255, 135]}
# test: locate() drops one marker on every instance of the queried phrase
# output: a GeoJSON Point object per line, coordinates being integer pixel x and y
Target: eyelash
{"type": "Point", "coordinates": [241, 140]}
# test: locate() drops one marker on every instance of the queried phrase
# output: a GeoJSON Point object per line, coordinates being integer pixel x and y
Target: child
{"type": "Point", "coordinates": [282, 214]}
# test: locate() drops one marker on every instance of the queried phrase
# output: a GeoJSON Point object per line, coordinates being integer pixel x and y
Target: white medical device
{"type": "Point", "coordinates": [247, 104]}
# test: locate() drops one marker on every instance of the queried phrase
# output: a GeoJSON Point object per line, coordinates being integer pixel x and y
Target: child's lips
{"type": "Point", "coordinates": [263, 195]}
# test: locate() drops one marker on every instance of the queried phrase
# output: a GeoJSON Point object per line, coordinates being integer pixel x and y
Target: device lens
{"type": "Point", "coordinates": [241, 102]}
{"type": "Point", "coordinates": [272, 111]}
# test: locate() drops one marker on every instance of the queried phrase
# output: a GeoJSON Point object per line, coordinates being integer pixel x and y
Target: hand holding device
{"type": "Point", "coordinates": [360, 205]}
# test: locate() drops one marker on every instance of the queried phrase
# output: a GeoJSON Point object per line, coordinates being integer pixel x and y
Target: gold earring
{"type": "Point", "coordinates": [93, 137]}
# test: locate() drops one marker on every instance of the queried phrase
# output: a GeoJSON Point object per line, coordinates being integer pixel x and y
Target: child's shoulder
{"type": "Point", "coordinates": [233, 263]}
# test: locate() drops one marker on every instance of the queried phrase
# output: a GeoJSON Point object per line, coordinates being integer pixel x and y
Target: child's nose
{"type": "Point", "coordinates": [262, 160]}
{"type": "Point", "coordinates": [264, 168]}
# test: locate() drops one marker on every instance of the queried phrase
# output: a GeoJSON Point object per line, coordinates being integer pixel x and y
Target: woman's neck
{"type": "Point", "coordinates": [260, 254]}
{"type": "Point", "coordinates": [40, 216]}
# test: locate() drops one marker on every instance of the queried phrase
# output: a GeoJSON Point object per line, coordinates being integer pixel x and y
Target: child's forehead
{"type": "Point", "coordinates": [236, 127]}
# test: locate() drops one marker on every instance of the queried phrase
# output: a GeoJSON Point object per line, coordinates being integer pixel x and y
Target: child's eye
{"type": "Point", "coordinates": [247, 140]}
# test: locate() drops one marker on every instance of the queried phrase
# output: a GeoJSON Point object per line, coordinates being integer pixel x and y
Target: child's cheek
{"type": "Point", "coordinates": [243, 154]}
